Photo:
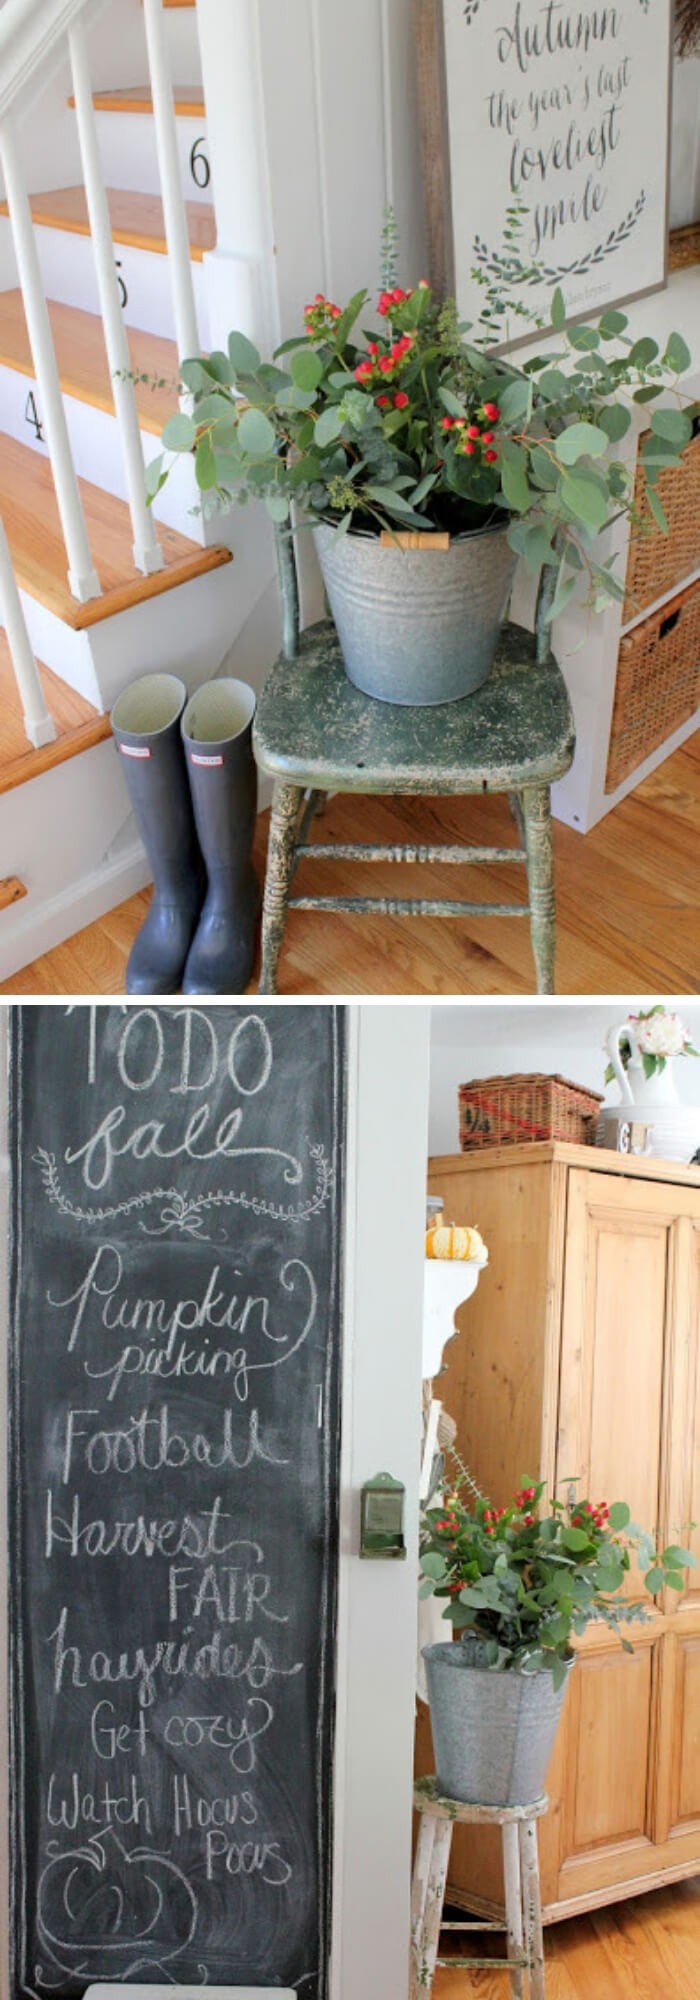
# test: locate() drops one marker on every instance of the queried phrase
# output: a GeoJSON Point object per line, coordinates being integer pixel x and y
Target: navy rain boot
{"type": "Point", "coordinates": [217, 731]}
{"type": "Point", "coordinates": [146, 727]}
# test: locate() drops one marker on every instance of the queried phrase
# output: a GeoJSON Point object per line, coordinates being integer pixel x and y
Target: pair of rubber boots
{"type": "Point", "coordinates": [192, 782]}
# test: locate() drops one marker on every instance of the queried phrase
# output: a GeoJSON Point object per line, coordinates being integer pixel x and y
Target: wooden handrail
{"type": "Point", "coordinates": [29, 32]}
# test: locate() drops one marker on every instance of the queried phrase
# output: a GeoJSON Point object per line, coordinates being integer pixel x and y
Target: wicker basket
{"type": "Point", "coordinates": [658, 684]}
{"type": "Point", "coordinates": [519, 1110]}
{"type": "Point", "coordinates": [657, 562]}
{"type": "Point", "coordinates": [684, 247]}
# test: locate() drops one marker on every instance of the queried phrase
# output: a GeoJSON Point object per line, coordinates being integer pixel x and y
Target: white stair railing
{"type": "Point", "coordinates": [174, 211]}
{"type": "Point", "coordinates": [82, 575]}
{"type": "Point", "coordinates": [39, 726]}
{"type": "Point", "coordinates": [32, 34]}
{"type": "Point", "coordinates": [148, 555]}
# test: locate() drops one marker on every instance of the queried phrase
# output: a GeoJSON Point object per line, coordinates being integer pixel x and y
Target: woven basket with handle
{"type": "Point", "coordinates": [517, 1110]}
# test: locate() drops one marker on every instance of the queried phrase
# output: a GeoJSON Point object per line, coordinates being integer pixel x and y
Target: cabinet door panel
{"type": "Point", "coordinates": [609, 1801]}
{"type": "Point", "coordinates": [688, 1425]}
{"type": "Point", "coordinates": [614, 1341]}
{"type": "Point", "coordinates": [686, 1735]}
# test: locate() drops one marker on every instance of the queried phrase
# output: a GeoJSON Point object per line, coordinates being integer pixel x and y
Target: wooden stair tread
{"type": "Point", "coordinates": [187, 98]}
{"type": "Point", "coordinates": [82, 359]}
{"type": "Point", "coordinates": [137, 219]}
{"type": "Point", "coordinates": [28, 507]}
{"type": "Point", "coordinates": [79, 725]}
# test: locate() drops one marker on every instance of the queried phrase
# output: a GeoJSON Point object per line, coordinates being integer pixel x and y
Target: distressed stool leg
{"type": "Point", "coordinates": [514, 1902]}
{"type": "Point", "coordinates": [537, 817]}
{"type": "Point", "coordinates": [516, 806]}
{"type": "Point", "coordinates": [419, 1897]}
{"type": "Point", "coordinates": [434, 1899]}
{"type": "Point", "coordinates": [530, 1868]}
{"type": "Point", "coordinates": [278, 874]}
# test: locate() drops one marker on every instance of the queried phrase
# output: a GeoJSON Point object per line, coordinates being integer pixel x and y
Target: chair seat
{"type": "Point", "coordinates": [316, 730]}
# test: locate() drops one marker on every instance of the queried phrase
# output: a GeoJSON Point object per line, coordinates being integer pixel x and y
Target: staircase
{"type": "Point", "coordinates": [102, 279]}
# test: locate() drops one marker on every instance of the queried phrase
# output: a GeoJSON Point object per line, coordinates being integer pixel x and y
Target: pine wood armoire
{"type": "Point", "coordinates": [579, 1358]}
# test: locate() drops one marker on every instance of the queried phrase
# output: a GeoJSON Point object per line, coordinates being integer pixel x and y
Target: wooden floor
{"type": "Point", "coordinates": [647, 1949]}
{"type": "Point", "coordinates": [629, 918]}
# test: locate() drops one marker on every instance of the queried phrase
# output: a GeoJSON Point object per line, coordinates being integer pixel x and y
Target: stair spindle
{"type": "Point", "coordinates": [39, 726]}
{"type": "Point", "coordinates": [174, 211]}
{"type": "Point", "coordinates": [82, 575]}
{"type": "Point", "coordinates": [148, 555]}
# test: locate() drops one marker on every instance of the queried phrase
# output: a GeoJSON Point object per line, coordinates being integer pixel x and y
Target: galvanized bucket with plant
{"type": "Point", "coordinates": [520, 1583]}
{"type": "Point", "coordinates": [381, 426]}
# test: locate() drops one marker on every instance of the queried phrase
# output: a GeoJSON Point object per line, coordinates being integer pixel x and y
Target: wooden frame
{"type": "Point", "coordinates": [438, 172]}
{"type": "Point", "coordinates": [387, 1050]}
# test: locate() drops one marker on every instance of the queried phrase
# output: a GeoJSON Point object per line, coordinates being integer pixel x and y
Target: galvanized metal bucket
{"type": "Point", "coordinates": [417, 627]}
{"type": "Point", "coordinates": [493, 1733]}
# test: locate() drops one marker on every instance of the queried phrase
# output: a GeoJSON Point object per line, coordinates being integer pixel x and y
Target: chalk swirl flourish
{"type": "Point", "coordinates": [186, 1214]}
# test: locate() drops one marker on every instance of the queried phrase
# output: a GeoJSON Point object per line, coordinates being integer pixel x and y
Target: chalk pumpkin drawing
{"type": "Point", "coordinates": [85, 1907]}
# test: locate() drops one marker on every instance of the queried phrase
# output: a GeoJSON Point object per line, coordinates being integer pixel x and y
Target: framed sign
{"type": "Point", "coordinates": [559, 110]}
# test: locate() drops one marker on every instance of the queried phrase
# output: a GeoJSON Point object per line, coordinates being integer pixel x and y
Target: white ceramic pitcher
{"type": "Point", "coordinates": [675, 1126]}
{"type": "Point", "coordinates": [635, 1086]}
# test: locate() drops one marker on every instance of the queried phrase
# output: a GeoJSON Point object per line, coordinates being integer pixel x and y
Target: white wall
{"type": "Point", "coordinates": [502, 1040]}
{"type": "Point", "coordinates": [326, 97]}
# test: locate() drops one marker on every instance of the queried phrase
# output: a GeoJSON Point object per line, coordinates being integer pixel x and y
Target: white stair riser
{"type": "Point", "coordinates": [97, 454]}
{"type": "Point", "coordinates": [183, 45]}
{"type": "Point", "coordinates": [185, 631]}
{"type": "Point", "coordinates": [54, 833]}
{"type": "Point", "coordinates": [69, 276]}
{"type": "Point", "coordinates": [128, 152]}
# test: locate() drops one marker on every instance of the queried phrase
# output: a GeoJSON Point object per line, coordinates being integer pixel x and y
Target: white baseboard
{"type": "Point", "coordinates": [80, 903]}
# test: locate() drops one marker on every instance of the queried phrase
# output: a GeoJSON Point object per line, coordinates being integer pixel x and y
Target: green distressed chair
{"type": "Point", "coordinates": [315, 733]}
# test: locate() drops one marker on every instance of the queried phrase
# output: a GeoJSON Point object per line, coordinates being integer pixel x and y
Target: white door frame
{"type": "Point", "coordinates": [387, 1113]}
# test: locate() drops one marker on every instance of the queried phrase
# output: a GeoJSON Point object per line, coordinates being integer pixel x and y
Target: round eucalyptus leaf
{"type": "Point", "coordinates": [306, 369]}
{"type": "Point", "coordinates": [256, 434]}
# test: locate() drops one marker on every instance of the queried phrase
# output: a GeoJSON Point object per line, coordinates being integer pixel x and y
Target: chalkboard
{"type": "Point", "coordinates": [177, 1193]}
{"type": "Point", "coordinates": [558, 108]}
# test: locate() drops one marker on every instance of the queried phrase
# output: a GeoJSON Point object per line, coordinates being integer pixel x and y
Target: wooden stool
{"type": "Point", "coordinates": [315, 733]}
{"type": "Point", "coordinates": [523, 1926]}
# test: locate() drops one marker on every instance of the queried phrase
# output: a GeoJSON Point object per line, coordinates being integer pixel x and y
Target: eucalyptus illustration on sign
{"type": "Point", "coordinates": [565, 107]}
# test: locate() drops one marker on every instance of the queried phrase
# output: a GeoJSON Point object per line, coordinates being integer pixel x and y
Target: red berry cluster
{"type": "Point", "coordinates": [448, 1524]}
{"type": "Point", "coordinates": [321, 317]}
{"type": "Point", "coordinates": [522, 1502]}
{"type": "Point", "coordinates": [588, 1516]}
{"type": "Point", "coordinates": [492, 1516]}
{"type": "Point", "coordinates": [389, 301]}
{"type": "Point", "coordinates": [384, 368]}
{"type": "Point", "coordinates": [472, 438]}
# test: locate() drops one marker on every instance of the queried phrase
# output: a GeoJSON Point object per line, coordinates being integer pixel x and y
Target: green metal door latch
{"type": "Point", "coordinates": [381, 1535]}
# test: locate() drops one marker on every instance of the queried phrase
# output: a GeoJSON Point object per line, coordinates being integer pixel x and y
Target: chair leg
{"type": "Point", "coordinates": [278, 874]}
{"type": "Point", "coordinates": [432, 1906]}
{"type": "Point", "coordinates": [419, 1897]}
{"type": "Point", "coordinates": [514, 1902]}
{"type": "Point", "coordinates": [530, 1868]}
{"type": "Point", "coordinates": [516, 806]}
{"type": "Point", "coordinates": [537, 818]}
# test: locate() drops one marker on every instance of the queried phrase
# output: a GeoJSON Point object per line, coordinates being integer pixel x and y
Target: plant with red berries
{"type": "Point", "coordinates": [528, 1577]}
{"type": "Point", "coordinates": [388, 415]}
